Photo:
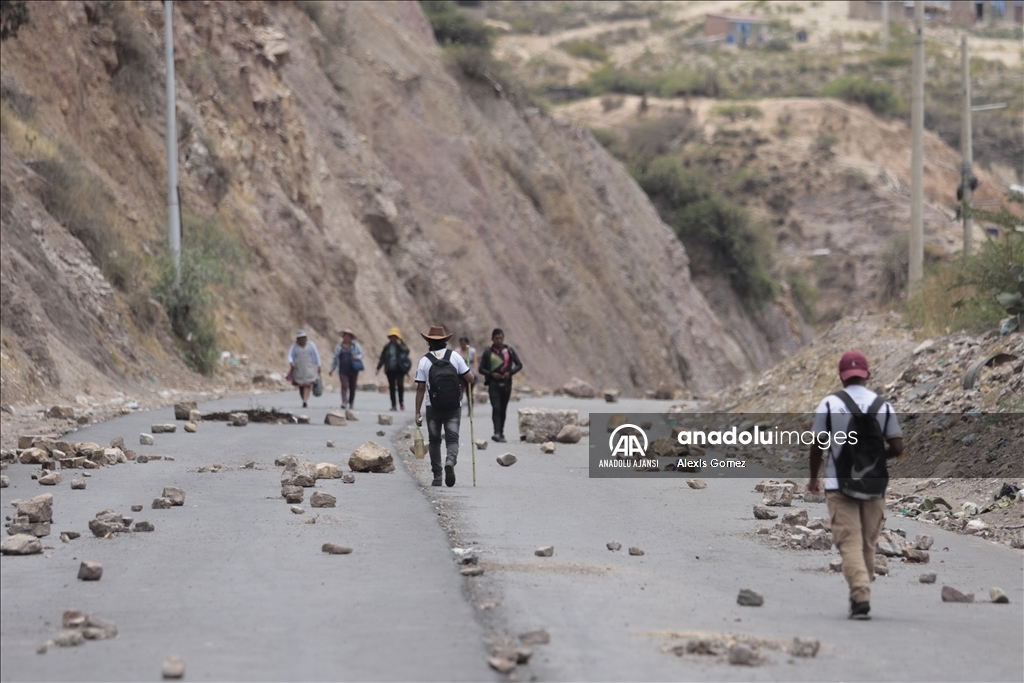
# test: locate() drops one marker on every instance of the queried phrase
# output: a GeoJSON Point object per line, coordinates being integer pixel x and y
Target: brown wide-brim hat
{"type": "Point", "coordinates": [437, 333]}
{"type": "Point", "coordinates": [347, 331]}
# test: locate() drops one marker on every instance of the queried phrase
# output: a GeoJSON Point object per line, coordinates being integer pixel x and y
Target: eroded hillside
{"type": "Point", "coordinates": [363, 185]}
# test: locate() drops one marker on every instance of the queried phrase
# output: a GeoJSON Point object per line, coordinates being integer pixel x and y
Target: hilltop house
{"type": "Point", "coordinates": [736, 29]}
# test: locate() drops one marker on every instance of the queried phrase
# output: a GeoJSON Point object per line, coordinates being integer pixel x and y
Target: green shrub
{"type": "Point", "coordinates": [721, 236]}
{"type": "Point", "coordinates": [584, 49]}
{"type": "Point", "coordinates": [734, 112]}
{"type": "Point", "coordinates": [605, 138]}
{"type": "Point", "coordinates": [777, 44]}
{"type": "Point", "coordinates": [452, 26]}
{"type": "Point", "coordinates": [210, 256]}
{"type": "Point", "coordinates": [805, 295]}
{"type": "Point", "coordinates": [878, 97]}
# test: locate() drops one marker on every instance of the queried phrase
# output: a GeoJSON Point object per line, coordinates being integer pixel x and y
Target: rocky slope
{"type": "Point", "coordinates": [368, 185]}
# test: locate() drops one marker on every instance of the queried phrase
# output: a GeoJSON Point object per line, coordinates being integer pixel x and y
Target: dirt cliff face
{"type": "Point", "coordinates": [367, 186]}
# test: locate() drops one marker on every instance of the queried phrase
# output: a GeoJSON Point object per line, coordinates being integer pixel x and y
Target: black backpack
{"type": "Point", "coordinates": [860, 467]}
{"type": "Point", "coordinates": [445, 390]}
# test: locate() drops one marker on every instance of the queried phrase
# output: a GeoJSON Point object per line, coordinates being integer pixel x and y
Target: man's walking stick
{"type": "Point", "coordinates": [472, 436]}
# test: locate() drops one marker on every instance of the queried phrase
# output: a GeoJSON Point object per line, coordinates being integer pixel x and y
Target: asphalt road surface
{"type": "Point", "coordinates": [236, 584]}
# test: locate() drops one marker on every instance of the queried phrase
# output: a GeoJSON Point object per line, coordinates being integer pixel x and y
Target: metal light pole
{"type": "Point", "coordinates": [173, 209]}
{"type": "Point", "coordinates": [916, 273]}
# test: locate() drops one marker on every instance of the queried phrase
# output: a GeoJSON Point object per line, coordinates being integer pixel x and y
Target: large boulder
{"type": "Point", "coordinates": [569, 434]}
{"type": "Point", "coordinates": [34, 456]}
{"type": "Point", "coordinates": [39, 509]}
{"type": "Point", "coordinates": [21, 544]}
{"type": "Point", "coordinates": [778, 495]}
{"type": "Point", "coordinates": [335, 418]}
{"type": "Point", "coordinates": [319, 499]}
{"type": "Point", "coordinates": [371, 457]}
{"type": "Point", "coordinates": [174, 494]}
{"type": "Point", "coordinates": [300, 474]}
{"type": "Point", "coordinates": [183, 411]}
{"type": "Point", "coordinates": [537, 425]}
{"type": "Point", "coordinates": [327, 470]}
{"type": "Point", "coordinates": [578, 388]}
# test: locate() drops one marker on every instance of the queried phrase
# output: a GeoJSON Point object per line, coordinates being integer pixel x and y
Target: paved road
{"type": "Point", "coordinates": [237, 584]}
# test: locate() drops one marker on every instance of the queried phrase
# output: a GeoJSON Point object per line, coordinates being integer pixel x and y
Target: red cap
{"type": "Point", "coordinates": [853, 364]}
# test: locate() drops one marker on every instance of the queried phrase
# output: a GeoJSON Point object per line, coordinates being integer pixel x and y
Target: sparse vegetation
{"type": "Point", "coordinates": [13, 15]}
{"type": "Point", "coordinates": [210, 256]}
{"type": "Point", "coordinates": [453, 27]}
{"type": "Point", "coordinates": [584, 49]}
{"type": "Point", "coordinates": [876, 96]}
{"type": "Point", "coordinates": [736, 111]}
{"type": "Point", "coordinates": [804, 294]}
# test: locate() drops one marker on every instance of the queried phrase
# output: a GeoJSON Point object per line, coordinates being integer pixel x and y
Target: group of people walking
{"type": "Point", "coordinates": [443, 377]}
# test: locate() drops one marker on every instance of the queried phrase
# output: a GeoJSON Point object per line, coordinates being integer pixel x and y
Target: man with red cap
{"type": "Point", "coordinates": [856, 504]}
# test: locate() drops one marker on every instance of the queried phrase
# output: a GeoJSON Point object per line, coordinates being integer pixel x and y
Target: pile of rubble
{"type": "Point", "coordinates": [50, 452]}
{"type": "Point", "coordinates": [78, 628]}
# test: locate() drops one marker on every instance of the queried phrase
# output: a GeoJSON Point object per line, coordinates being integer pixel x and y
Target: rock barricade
{"type": "Point", "coordinates": [537, 425]}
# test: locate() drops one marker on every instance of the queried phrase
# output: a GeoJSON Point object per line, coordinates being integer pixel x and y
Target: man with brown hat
{"type": "Point", "coordinates": [857, 430]}
{"type": "Point", "coordinates": [438, 382]}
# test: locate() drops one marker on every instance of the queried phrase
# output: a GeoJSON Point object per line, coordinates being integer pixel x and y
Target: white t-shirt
{"type": "Point", "coordinates": [423, 370]}
{"type": "Point", "coordinates": [863, 397]}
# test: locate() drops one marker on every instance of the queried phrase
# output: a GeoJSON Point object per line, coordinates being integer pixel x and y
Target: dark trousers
{"type": "Point", "coordinates": [396, 383]}
{"type": "Point", "coordinates": [448, 422]}
{"type": "Point", "coordinates": [348, 386]}
{"type": "Point", "coordinates": [498, 394]}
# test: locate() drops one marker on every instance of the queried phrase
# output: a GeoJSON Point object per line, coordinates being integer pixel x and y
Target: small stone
{"type": "Point", "coordinates": [545, 551]}
{"type": "Point", "coordinates": [136, 508]}
{"type": "Point", "coordinates": [539, 637]}
{"type": "Point", "coordinates": [163, 429]}
{"type": "Point", "coordinates": [778, 495]}
{"type": "Point", "coordinates": [162, 504]}
{"type": "Point", "coordinates": [613, 546]}
{"type": "Point", "coordinates": [183, 410]}
{"type": "Point", "coordinates": [335, 549]}
{"type": "Point", "coordinates": [302, 474]}
{"type": "Point", "coordinates": [481, 444]}
{"type": "Point", "coordinates": [77, 484]}
{"type": "Point", "coordinates": [507, 460]}
{"type": "Point", "coordinates": [190, 427]}
{"type": "Point", "coordinates": [749, 598]}
{"type": "Point", "coordinates": [146, 439]}
{"type": "Point", "coordinates": [814, 496]}
{"type": "Point", "coordinates": [292, 494]}
{"type": "Point", "coordinates": [764, 512]}
{"type": "Point", "coordinates": [348, 478]}
{"type": "Point", "coordinates": [923, 542]}
{"type": "Point", "coordinates": [144, 526]}
{"type": "Point", "coordinates": [90, 571]}
{"type": "Point", "coordinates": [298, 510]}
{"type": "Point", "coordinates": [311, 520]}
{"type": "Point", "coordinates": [98, 629]}
{"type": "Point", "coordinates": [805, 647]}
{"type": "Point", "coordinates": [195, 416]}
{"type": "Point", "coordinates": [547, 447]}
{"type": "Point", "coordinates": [998, 596]}
{"type": "Point", "coordinates": [238, 419]}
{"type": "Point", "coordinates": [21, 544]}
{"type": "Point", "coordinates": [173, 667]}
{"type": "Point", "coordinates": [350, 415]}
{"type": "Point", "coordinates": [795, 517]}
{"type": "Point", "coordinates": [64, 538]}
{"type": "Point", "coordinates": [142, 459]}
{"type": "Point", "coordinates": [70, 638]}
{"type": "Point", "coordinates": [327, 470]}
{"type": "Point", "coordinates": [174, 494]}
{"type": "Point", "coordinates": [569, 434]}
{"type": "Point", "coordinates": [836, 564]}
{"type": "Point", "coordinates": [302, 419]}
{"type": "Point", "coordinates": [72, 535]}
{"type": "Point", "coordinates": [335, 418]}
{"type": "Point", "coordinates": [286, 461]}
{"type": "Point", "coordinates": [319, 499]}
{"type": "Point", "coordinates": [636, 551]}
{"type": "Point", "coordinates": [5, 481]}
{"type": "Point", "coordinates": [371, 457]}
{"type": "Point", "coordinates": [384, 419]}
{"type": "Point", "coordinates": [927, 577]}
{"type": "Point", "coordinates": [51, 479]}
{"type": "Point", "coordinates": [41, 650]}
{"type": "Point", "coordinates": [380, 432]}
{"type": "Point", "coordinates": [696, 484]}
{"type": "Point", "coordinates": [973, 526]}
{"type": "Point", "coordinates": [471, 571]}
{"type": "Point", "coordinates": [330, 444]}
{"type": "Point", "coordinates": [950, 594]}
{"type": "Point", "coordinates": [611, 395]}
{"type": "Point", "coordinates": [914, 555]}
{"type": "Point", "coordinates": [881, 565]}
{"type": "Point", "coordinates": [501, 664]}
{"type": "Point", "coordinates": [741, 655]}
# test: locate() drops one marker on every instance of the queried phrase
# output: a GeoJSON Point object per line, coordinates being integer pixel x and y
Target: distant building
{"type": "Point", "coordinates": [736, 29]}
{"type": "Point", "coordinates": [970, 12]}
{"type": "Point", "coordinates": [871, 10]}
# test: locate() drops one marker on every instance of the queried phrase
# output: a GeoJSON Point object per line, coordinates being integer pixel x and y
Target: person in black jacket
{"type": "Point", "coordinates": [498, 363]}
{"type": "Point", "coordinates": [394, 358]}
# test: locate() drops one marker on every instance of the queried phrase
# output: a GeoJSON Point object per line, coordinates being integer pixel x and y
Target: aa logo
{"type": "Point", "coordinates": [624, 442]}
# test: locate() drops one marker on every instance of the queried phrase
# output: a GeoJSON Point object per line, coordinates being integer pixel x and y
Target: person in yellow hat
{"type": "Point", "coordinates": [394, 358]}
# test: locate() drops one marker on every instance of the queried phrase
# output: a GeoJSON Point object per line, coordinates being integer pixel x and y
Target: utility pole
{"type": "Point", "coordinates": [173, 209]}
{"type": "Point", "coordinates": [916, 273]}
{"type": "Point", "coordinates": [966, 148]}
{"type": "Point", "coordinates": [885, 26]}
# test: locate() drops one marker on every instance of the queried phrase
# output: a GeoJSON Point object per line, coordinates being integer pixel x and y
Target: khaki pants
{"type": "Point", "coordinates": [855, 528]}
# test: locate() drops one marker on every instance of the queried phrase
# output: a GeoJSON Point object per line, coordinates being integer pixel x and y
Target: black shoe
{"type": "Point", "coordinates": [859, 610]}
{"type": "Point", "coordinates": [500, 438]}
{"type": "Point", "coordinates": [303, 404]}
{"type": "Point", "coordinates": [449, 475]}
{"type": "Point", "coordinates": [437, 480]}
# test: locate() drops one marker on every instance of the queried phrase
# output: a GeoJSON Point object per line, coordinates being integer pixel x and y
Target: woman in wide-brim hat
{"type": "Point", "coordinates": [394, 358]}
{"type": "Point", "coordinates": [305, 365]}
{"type": "Point", "coordinates": [348, 360]}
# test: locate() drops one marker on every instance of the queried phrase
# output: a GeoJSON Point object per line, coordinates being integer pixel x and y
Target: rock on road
{"type": "Point", "coordinates": [236, 583]}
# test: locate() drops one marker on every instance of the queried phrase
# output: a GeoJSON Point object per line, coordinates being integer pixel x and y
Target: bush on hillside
{"type": "Point", "coordinates": [584, 49]}
{"type": "Point", "coordinates": [452, 26]}
{"type": "Point", "coordinates": [876, 96]}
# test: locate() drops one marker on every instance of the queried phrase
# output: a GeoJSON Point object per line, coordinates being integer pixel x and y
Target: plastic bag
{"type": "Point", "coordinates": [419, 448]}
{"type": "Point", "coordinates": [318, 388]}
